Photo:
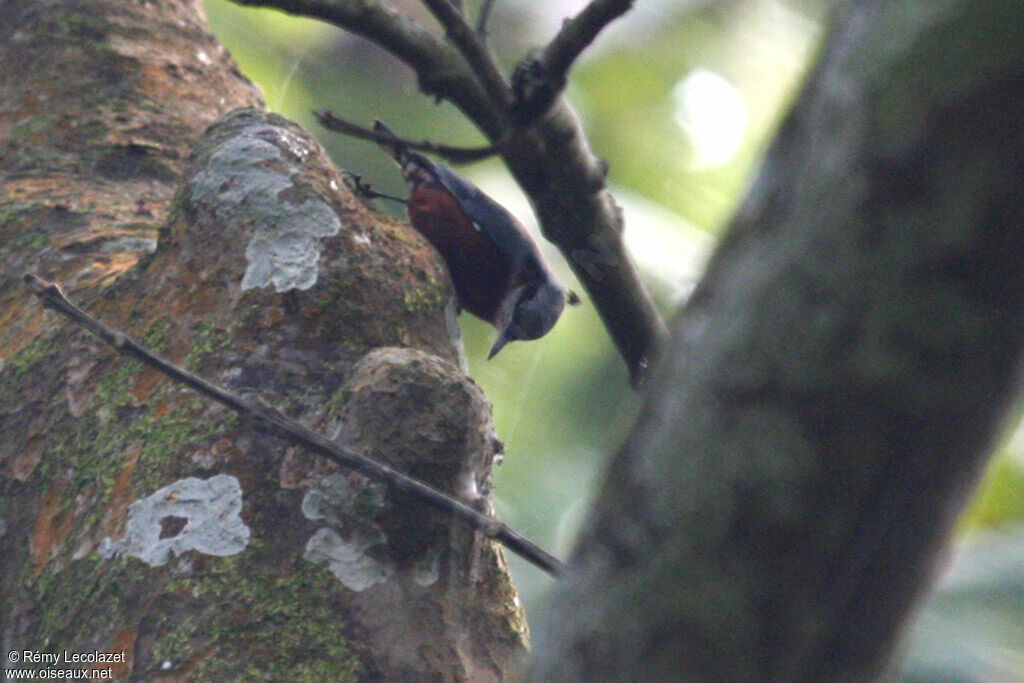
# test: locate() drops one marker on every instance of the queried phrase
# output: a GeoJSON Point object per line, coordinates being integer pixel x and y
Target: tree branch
{"type": "Point", "coordinates": [540, 78]}
{"type": "Point", "coordinates": [834, 385]}
{"type": "Point", "coordinates": [580, 31]}
{"type": "Point", "coordinates": [456, 155]}
{"type": "Point", "coordinates": [275, 423]}
{"type": "Point", "coordinates": [482, 17]}
{"type": "Point", "coordinates": [440, 69]}
{"type": "Point", "coordinates": [480, 59]}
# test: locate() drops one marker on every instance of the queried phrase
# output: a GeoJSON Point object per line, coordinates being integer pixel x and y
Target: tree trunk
{"type": "Point", "coordinates": [834, 385]}
{"type": "Point", "coordinates": [136, 518]}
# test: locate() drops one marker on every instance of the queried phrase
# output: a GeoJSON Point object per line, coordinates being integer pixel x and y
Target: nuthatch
{"type": "Point", "coordinates": [497, 271]}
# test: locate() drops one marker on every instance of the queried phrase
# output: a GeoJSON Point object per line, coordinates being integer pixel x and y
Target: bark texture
{"type": "Point", "coordinates": [137, 518]}
{"type": "Point", "coordinates": [834, 385]}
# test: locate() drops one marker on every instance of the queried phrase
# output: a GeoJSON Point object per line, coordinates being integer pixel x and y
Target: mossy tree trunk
{"type": "Point", "coordinates": [835, 383]}
{"type": "Point", "coordinates": [136, 518]}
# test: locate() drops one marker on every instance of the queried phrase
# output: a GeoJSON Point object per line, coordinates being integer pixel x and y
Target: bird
{"type": "Point", "coordinates": [497, 271]}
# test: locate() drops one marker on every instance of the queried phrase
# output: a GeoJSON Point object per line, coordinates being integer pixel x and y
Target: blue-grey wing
{"type": "Point", "coordinates": [501, 227]}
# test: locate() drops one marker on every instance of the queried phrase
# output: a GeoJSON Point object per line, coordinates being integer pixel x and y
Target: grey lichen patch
{"type": "Point", "coordinates": [348, 559]}
{"type": "Point", "coordinates": [334, 499]}
{"type": "Point", "coordinates": [210, 508]}
{"type": "Point", "coordinates": [245, 180]}
{"type": "Point", "coordinates": [345, 548]}
{"type": "Point", "coordinates": [427, 570]}
{"type": "Point", "coordinates": [129, 243]}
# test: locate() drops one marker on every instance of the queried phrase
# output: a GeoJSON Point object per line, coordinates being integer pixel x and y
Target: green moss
{"type": "Point", "coordinates": [112, 391]}
{"type": "Point", "coordinates": [31, 126]}
{"type": "Point", "coordinates": [92, 448]}
{"type": "Point", "coordinates": [427, 297]}
{"type": "Point", "coordinates": [206, 339]}
{"type": "Point", "coordinates": [174, 643]}
{"type": "Point", "coordinates": [70, 598]}
{"type": "Point", "coordinates": [163, 440]}
{"type": "Point", "coordinates": [155, 337]}
{"type": "Point", "coordinates": [88, 29]}
{"type": "Point", "coordinates": [334, 405]}
{"type": "Point", "coordinates": [280, 627]}
{"type": "Point", "coordinates": [280, 621]}
{"type": "Point", "coordinates": [18, 366]}
{"type": "Point", "coordinates": [166, 441]}
{"type": "Point", "coordinates": [282, 624]}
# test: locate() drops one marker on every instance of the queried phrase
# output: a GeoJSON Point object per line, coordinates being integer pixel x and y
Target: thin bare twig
{"type": "Point", "coordinates": [480, 59]}
{"type": "Point", "coordinates": [271, 421]}
{"type": "Point", "coordinates": [482, 17]}
{"type": "Point", "coordinates": [456, 155]}
{"type": "Point", "coordinates": [355, 182]}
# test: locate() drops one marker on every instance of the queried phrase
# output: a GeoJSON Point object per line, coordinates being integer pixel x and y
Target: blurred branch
{"type": "Point", "coordinates": [457, 155]}
{"type": "Point", "coordinates": [813, 431]}
{"type": "Point", "coordinates": [270, 421]}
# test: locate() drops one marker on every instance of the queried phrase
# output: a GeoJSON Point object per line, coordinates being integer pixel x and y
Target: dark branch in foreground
{"type": "Point", "coordinates": [456, 155]}
{"type": "Point", "coordinates": [275, 423]}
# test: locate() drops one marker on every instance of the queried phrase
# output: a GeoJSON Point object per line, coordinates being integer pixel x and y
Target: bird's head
{"type": "Point", "coordinates": [528, 311]}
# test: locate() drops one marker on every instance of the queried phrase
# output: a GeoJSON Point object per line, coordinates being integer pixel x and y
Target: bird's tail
{"type": "Point", "coordinates": [416, 169]}
{"type": "Point", "coordinates": [388, 141]}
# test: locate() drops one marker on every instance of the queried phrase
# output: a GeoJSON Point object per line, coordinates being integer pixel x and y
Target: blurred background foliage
{"type": "Point", "coordinates": [681, 98]}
